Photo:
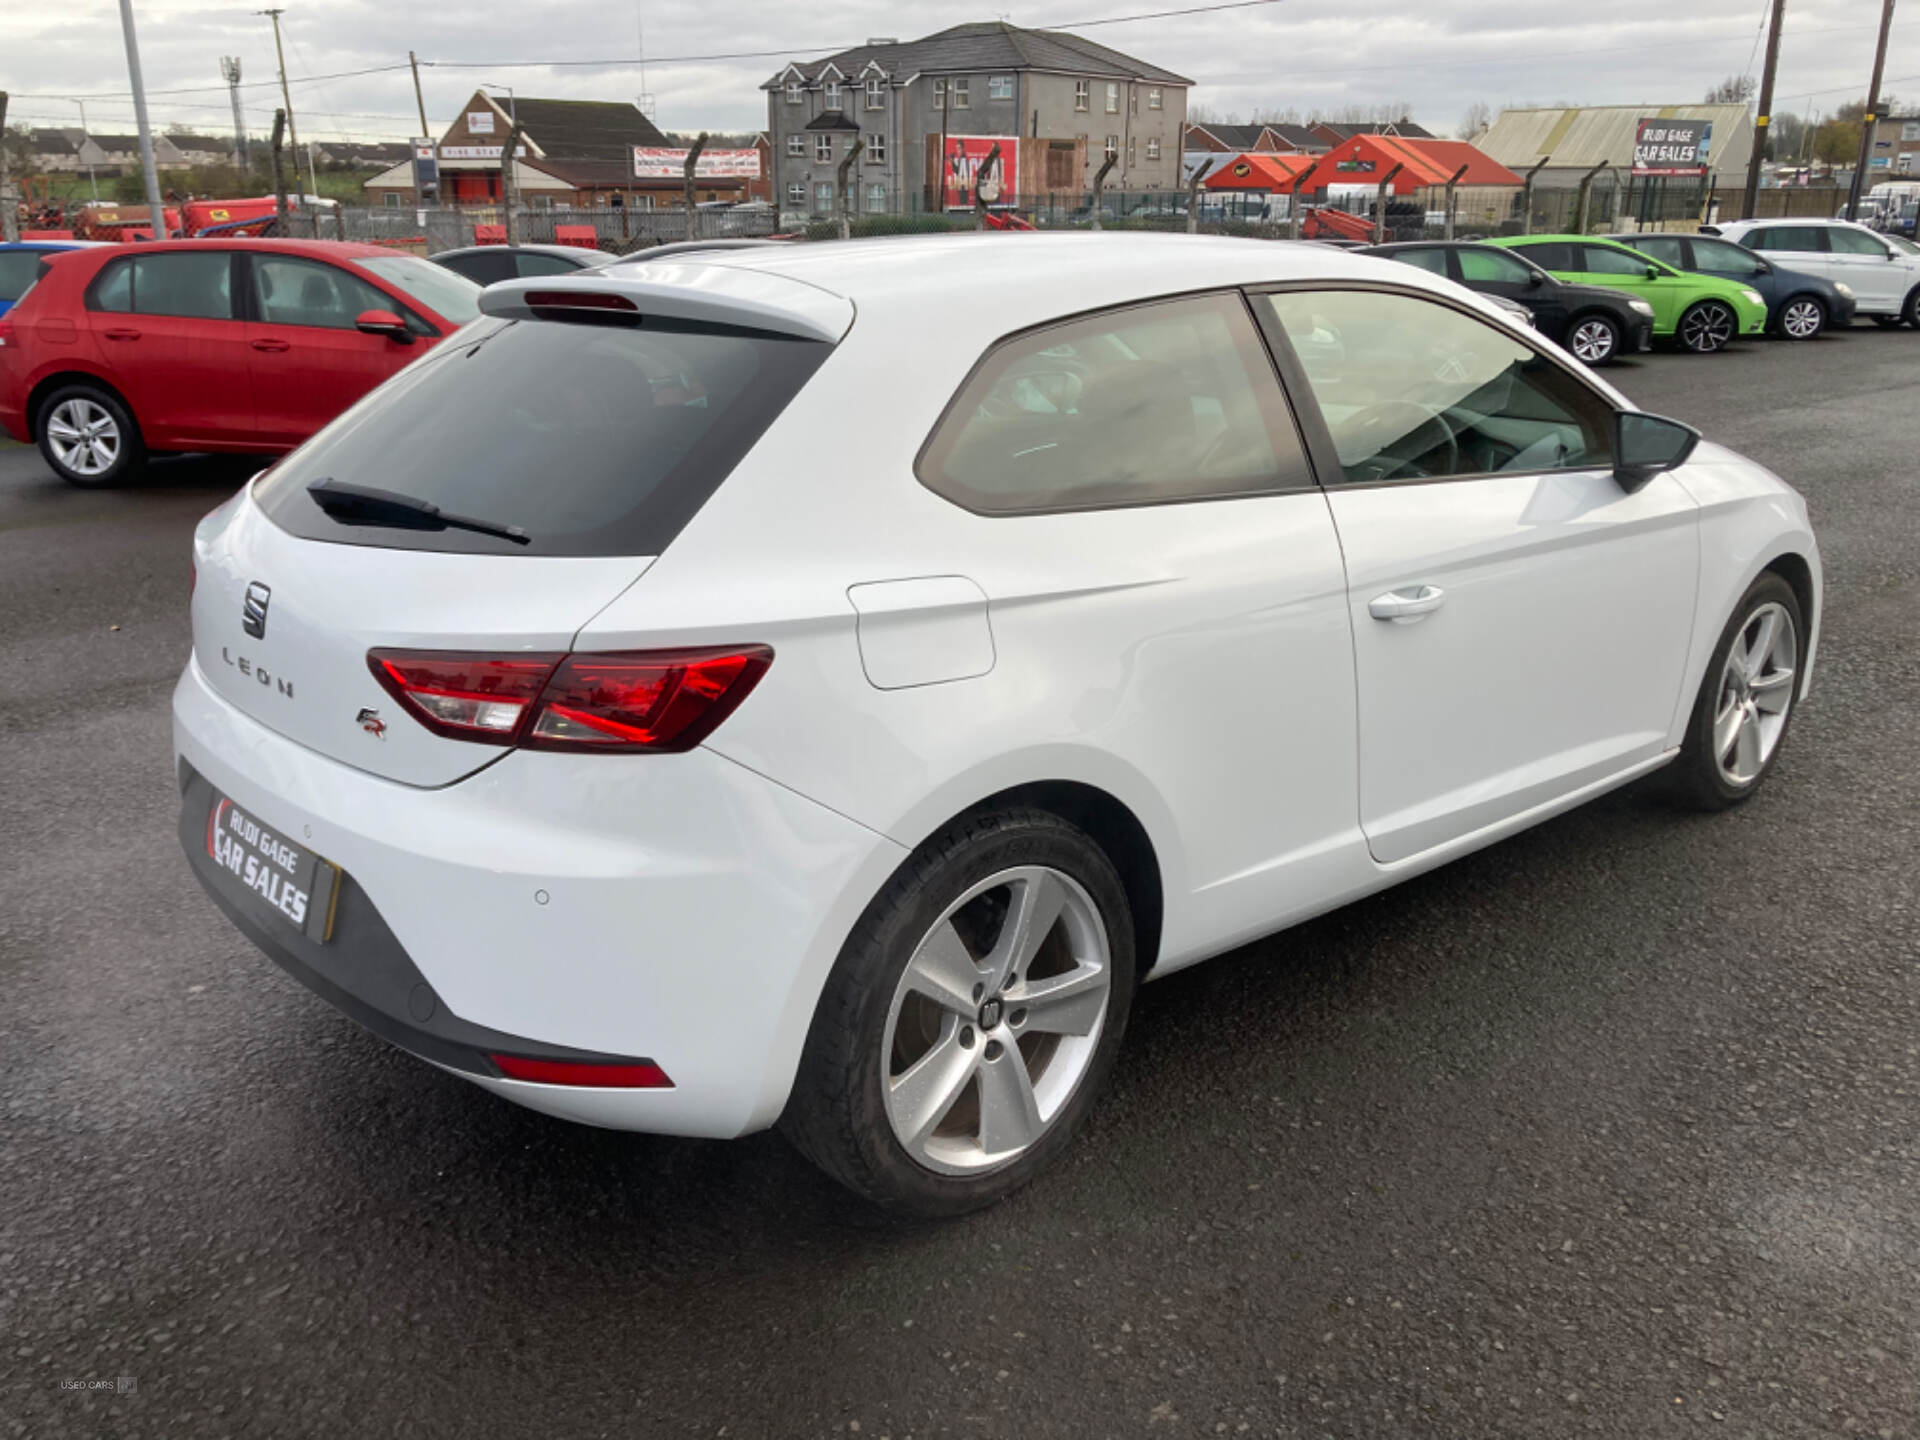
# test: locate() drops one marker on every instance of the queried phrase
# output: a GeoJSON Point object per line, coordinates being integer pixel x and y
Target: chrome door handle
{"type": "Point", "coordinates": [1403, 607]}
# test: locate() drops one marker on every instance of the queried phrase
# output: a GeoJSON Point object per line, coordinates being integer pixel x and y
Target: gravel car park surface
{"type": "Point", "coordinates": [1609, 1130]}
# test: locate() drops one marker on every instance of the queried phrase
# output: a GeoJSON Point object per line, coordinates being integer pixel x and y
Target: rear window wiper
{"type": "Point", "coordinates": [364, 505]}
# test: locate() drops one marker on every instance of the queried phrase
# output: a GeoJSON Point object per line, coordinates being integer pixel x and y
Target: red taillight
{"type": "Point", "coordinates": [6, 333]}
{"type": "Point", "coordinates": [661, 701]}
{"type": "Point", "coordinates": [605, 1075]}
{"type": "Point", "coordinates": [577, 300]}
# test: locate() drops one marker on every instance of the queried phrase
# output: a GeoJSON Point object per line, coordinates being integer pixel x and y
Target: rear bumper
{"type": "Point", "coordinates": [680, 909]}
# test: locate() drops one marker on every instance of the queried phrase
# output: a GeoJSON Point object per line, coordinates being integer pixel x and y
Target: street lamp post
{"type": "Point", "coordinates": [140, 119]}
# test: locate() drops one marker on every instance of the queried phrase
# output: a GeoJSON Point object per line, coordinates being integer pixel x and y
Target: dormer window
{"type": "Point", "coordinates": [833, 94]}
{"type": "Point", "coordinates": [796, 93]}
{"type": "Point", "coordinates": [876, 93]}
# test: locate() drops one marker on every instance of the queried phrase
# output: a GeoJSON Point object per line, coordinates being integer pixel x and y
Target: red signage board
{"type": "Point", "coordinates": [969, 168]}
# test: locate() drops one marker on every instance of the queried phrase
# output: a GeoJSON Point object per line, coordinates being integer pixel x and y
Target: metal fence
{"type": "Point", "coordinates": [1612, 202]}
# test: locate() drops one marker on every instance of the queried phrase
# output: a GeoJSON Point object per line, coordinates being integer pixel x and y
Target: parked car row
{"type": "Point", "coordinates": [1604, 296]}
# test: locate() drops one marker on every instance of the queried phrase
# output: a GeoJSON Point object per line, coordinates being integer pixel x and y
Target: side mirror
{"type": "Point", "coordinates": [1536, 279]}
{"type": "Point", "coordinates": [1653, 272]}
{"type": "Point", "coordinates": [383, 322]}
{"type": "Point", "coordinates": [1645, 445]}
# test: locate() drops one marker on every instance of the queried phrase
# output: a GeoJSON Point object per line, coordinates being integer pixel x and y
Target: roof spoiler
{"type": "Point", "coordinates": [709, 294]}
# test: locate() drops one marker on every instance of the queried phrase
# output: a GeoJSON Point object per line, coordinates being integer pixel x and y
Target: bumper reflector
{"type": "Point", "coordinates": [602, 1075]}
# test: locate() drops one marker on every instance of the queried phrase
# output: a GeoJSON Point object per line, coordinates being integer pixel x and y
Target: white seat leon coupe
{"type": "Point", "coordinates": [816, 685]}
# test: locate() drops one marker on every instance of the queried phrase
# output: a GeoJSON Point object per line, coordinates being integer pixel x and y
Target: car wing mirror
{"type": "Point", "coordinates": [1536, 279]}
{"type": "Point", "coordinates": [383, 322]}
{"type": "Point", "coordinates": [1653, 272]}
{"type": "Point", "coordinates": [1645, 445]}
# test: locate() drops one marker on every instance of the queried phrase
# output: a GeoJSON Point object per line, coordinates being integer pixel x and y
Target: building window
{"type": "Point", "coordinates": [1153, 147]}
{"type": "Point", "coordinates": [392, 198]}
{"type": "Point", "coordinates": [823, 149]}
{"type": "Point", "coordinates": [797, 144]}
{"type": "Point", "coordinates": [796, 194]}
{"type": "Point", "coordinates": [823, 197]}
{"type": "Point", "coordinates": [959, 94]}
{"type": "Point", "coordinates": [1000, 87]}
{"type": "Point", "coordinates": [796, 93]}
{"type": "Point", "coordinates": [876, 199]}
{"type": "Point", "coordinates": [1113, 147]}
{"type": "Point", "coordinates": [1113, 98]}
{"type": "Point", "coordinates": [833, 95]}
{"type": "Point", "coordinates": [1153, 97]}
{"type": "Point", "coordinates": [876, 148]}
{"type": "Point", "coordinates": [1082, 94]}
{"type": "Point", "coordinates": [876, 94]}
{"type": "Point", "coordinates": [939, 94]}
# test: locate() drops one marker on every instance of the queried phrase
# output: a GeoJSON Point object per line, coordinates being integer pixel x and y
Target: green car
{"type": "Point", "coordinates": [1702, 311]}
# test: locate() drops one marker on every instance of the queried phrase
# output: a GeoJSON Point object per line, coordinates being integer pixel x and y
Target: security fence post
{"type": "Point", "coordinates": [1526, 196]}
{"type": "Point", "coordinates": [1586, 193]}
{"type": "Point", "coordinates": [1193, 196]}
{"type": "Point", "coordinates": [1450, 184]}
{"type": "Point", "coordinates": [1099, 183]}
{"type": "Point", "coordinates": [841, 188]}
{"type": "Point", "coordinates": [693, 160]}
{"type": "Point", "coordinates": [1380, 204]}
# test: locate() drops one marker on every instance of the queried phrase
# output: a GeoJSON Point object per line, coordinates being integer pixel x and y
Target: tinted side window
{"type": "Point", "coordinates": [1434, 260]}
{"type": "Point", "coordinates": [482, 269]}
{"type": "Point", "coordinates": [197, 285]}
{"type": "Point", "coordinates": [1670, 249]}
{"type": "Point", "coordinates": [1805, 238]}
{"type": "Point", "coordinates": [1168, 401]}
{"type": "Point", "coordinates": [112, 289]}
{"type": "Point", "coordinates": [1488, 264]}
{"type": "Point", "coordinates": [306, 292]}
{"type": "Point", "coordinates": [532, 262]}
{"type": "Point", "coordinates": [1723, 258]}
{"type": "Point", "coordinates": [1855, 242]}
{"type": "Point", "coordinates": [1605, 260]}
{"type": "Point", "coordinates": [1552, 255]}
{"type": "Point", "coordinates": [17, 269]}
{"type": "Point", "coordinates": [1412, 389]}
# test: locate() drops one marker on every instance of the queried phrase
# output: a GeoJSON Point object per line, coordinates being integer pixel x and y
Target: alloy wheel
{"type": "Point", "coordinates": [1592, 341]}
{"type": "Point", "coordinates": [84, 436]}
{"type": "Point", "coordinates": [1802, 319]}
{"type": "Point", "coordinates": [1707, 327]}
{"type": "Point", "coordinates": [1756, 692]}
{"type": "Point", "coordinates": [996, 1020]}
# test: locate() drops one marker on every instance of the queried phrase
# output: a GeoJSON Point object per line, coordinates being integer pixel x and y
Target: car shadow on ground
{"type": "Point", "coordinates": [1277, 1017]}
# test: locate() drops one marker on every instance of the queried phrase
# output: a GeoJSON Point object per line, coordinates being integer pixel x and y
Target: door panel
{"type": "Point", "coordinates": [164, 325]}
{"type": "Point", "coordinates": [308, 362]}
{"type": "Point", "coordinates": [1520, 623]}
{"type": "Point", "coordinates": [1861, 261]}
{"type": "Point", "coordinates": [1554, 659]}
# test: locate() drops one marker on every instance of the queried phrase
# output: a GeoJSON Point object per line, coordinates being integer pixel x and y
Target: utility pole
{"type": "Point", "coordinates": [1762, 120]}
{"type": "Point", "coordinates": [279, 174]}
{"type": "Point", "coordinates": [1868, 121]}
{"type": "Point", "coordinates": [140, 119]}
{"type": "Point", "coordinates": [230, 68]}
{"type": "Point", "coordinates": [9, 211]}
{"type": "Point", "coordinates": [509, 189]}
{"type": "Point", "coordinates": [293, 131]}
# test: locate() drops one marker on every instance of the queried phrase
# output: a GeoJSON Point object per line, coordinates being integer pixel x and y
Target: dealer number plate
{"type": "Point", "coordinates": [279, 878]}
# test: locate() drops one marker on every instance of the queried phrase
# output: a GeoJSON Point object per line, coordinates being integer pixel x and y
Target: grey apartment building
{"type": "Point", "coordinates": [930, 112]}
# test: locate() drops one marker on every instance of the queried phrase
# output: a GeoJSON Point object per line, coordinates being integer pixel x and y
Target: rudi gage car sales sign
{"type": "Point", "coordinates": [1671, 147]}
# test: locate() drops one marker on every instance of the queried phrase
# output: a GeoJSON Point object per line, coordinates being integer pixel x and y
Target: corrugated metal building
{"type": "Point", "coordinates": [1577, 138]}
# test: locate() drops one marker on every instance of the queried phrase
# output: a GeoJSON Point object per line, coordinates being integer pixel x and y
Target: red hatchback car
{"type": "Point", "coordinates": [242, 345]}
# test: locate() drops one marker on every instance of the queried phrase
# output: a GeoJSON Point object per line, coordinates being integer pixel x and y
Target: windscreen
{"type": "Point", "coordinates": [453, 296]}
{"type": "Point", "coordinates": [587, 439]}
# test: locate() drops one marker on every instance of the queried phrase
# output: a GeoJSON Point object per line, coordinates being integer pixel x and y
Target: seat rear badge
{"type": "Point", "coordinates": [371, 722]}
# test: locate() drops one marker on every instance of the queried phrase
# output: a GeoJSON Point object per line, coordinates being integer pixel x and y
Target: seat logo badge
{"type": "Point", "coordinates": [371, 722]}
{"type": "Point", "coordinates": [253, 610]}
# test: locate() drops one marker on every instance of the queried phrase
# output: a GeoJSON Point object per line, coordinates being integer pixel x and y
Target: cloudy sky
{"type": "Point", "coordinates": [1438, 57]}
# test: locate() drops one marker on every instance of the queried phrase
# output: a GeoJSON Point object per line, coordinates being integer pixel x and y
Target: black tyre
{"type": "Point", "coordinates": [1707, 326]}
{"type": "Point", "coordinates": [1593, 338]}
{"type": "Point", "coordinates": [1910, 312]}
{"type": "Point", "coordinates": [1803, 317]}
{"type": "Point", "coordinates": [89, 437]}
{"type": "Point", "coordinates": [971, 1018]}
{"type": "Point", "coordinates": [1746, 700]}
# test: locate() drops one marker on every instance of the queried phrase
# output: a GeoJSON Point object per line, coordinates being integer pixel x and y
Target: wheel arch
{"type": "Point", "coordinates": [42, 388]}
{"type": "Point", "coordinates": [1116, 830]}
{"type": "Point", "coordinates": [1793, 567]}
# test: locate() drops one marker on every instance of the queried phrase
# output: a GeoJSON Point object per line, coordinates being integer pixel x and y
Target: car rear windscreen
{"type": "Point", "coordinates": [588, 439]}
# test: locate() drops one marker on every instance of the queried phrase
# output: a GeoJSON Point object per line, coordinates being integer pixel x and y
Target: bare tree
{"type": "Point", "coordinates": [1474, 123]}
{"type": "Point", "coordinates": [1734, 90]}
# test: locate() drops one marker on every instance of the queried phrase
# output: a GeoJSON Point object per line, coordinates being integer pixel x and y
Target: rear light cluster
{"type": "Point", "coordinates": [663, 701]}
{"type": "Point", "coordinates": [589, 1074]}
{"type": "Point", "coordinates": [6, 333]}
